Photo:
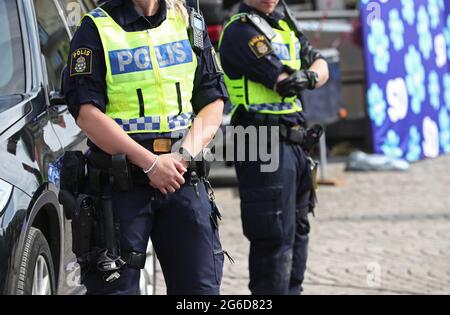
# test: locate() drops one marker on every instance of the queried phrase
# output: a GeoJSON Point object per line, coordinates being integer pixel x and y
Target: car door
{"type": "Point", "coordinates": [26, 122]}
{"type": "Point", "coordinates": [55, 33]}
{"type": "Point", "coordinates": [28, 143]}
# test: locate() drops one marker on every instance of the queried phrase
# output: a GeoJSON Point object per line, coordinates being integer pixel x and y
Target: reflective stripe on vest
{"type": "Point", "coordinates": [255, 96]}
{"type": "Point", "coordinates": [150, 74]}
{"type": "Point", "coordinates": [153, 123]}
{"type": "Point", "coordinates": [278, 107]}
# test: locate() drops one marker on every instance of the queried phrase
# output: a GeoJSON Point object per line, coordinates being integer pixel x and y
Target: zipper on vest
{"type": "Point", "coordinates": [180, 100]}
{"type": "Point", "coordinates": [141, 103]}
{"type": "Point", "coordinates": [159, 86]}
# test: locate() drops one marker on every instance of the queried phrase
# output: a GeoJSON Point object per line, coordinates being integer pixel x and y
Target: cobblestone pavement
{"type": "Point", "coordinates": [375, 233]}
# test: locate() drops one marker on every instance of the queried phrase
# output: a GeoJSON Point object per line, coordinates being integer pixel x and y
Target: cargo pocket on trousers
{"type": "Point", "coordinates": [261, 214]}
{"type": "Point", "coordinates": [218, 256]}
{"type": "Point", "coordinates": [218, 252]}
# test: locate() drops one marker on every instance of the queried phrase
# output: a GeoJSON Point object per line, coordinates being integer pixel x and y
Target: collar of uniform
{"type": "Point", "coordinates": [272, 18]}
{"type": "Point", "coordinates": [129, 15]}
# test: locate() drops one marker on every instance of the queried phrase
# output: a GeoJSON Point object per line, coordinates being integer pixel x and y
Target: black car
{"type": "Point", "coordinates": [35, 131]}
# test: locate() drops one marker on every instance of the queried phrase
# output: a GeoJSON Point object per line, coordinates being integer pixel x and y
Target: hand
{"type": "Point", "coordinates": [178, 157]}
{"type": "Point", "coordinates": [168, 174]}
{"type": "Point", "coordinates": [297, 82]}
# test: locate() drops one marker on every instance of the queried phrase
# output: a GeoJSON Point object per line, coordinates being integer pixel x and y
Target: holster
{"type": "Point", "coordinates": [78, 207]}
{"type": "Point", "coordinates": [82, 227]}
{"type": "Point", "coordinates": [95, 232]}
{"type": "Point", "coordinates": [110, 259]}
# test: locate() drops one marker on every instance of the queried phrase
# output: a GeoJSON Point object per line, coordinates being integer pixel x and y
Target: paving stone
{"type": "Point", "coordinates": [375, 233]}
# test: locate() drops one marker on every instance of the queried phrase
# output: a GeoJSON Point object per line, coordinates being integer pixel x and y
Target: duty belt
{"type": "Point", "coordinates": [101, 161]}
{"type": "Point", "coordinates": [292, 134]}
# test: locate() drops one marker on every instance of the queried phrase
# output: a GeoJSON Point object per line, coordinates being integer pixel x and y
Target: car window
{"type": "Point", "coordinates": [55, 41]}
{"type": "Point", "coordinates": [74, 10]}
{"type": "Point", "coordinates": [12, 78]}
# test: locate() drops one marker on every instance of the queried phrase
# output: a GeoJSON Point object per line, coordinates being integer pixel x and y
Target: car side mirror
{"type": "Point", "coordinates": [56, 97]}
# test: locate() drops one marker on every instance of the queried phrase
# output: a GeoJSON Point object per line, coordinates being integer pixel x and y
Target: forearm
{"type": "Point", "coordinates": [204, 128]}
{"type": "Point", "coordinates": [320, 66]}
{"type": "Point", "coordinates": [111, 138]}
{"type": "Point", "coordinates": [280, 78]}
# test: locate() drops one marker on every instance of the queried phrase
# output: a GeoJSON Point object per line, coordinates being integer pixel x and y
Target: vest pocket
{"type": "Point", "coordinates": [179, 99]}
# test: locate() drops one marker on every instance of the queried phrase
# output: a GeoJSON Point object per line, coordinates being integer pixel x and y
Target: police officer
{"type": "Point", "coordinates": [133, 83]}
{"type": "Point", "coordinates": [267, 64]}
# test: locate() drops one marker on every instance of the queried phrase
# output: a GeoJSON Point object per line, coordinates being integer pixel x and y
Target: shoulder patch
{"type": "Point", "coordinates": [260, 46]}
{"type": "Point", "coordinates": [81, 62]}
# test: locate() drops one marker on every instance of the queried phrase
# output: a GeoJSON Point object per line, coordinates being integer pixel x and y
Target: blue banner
{"type": "Point", "coordinates": [407, 54]}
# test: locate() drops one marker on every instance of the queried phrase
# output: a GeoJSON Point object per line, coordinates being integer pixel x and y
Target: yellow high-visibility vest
{"type": "Point", "coordinates": [150, 74]}
{"type": "Point", "coordinates": [255, 96]}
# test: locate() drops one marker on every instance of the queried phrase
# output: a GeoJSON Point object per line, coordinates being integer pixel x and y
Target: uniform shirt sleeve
{"type": "Point", "coordinates": [209, 85]}
{"type": "Point", "coordinates": [308, 54]}
{"type": "Point", "coordinates": [239, 60]}
{"type": "Point", "coordinates": [85, 81]}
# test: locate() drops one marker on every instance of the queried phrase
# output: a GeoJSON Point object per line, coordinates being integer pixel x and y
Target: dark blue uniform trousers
{"type": "Point", "coordinates": [277, 230]}
{"type": "Point", "coordinates": [186, 243]}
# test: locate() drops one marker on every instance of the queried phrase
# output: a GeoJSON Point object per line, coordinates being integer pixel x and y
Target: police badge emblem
{"type": "Point", "coordinates": [260, 46]}
{"type": "Point", "coordinates": [80, 66]}
{"type": "Point", "coordinates": [81, 62]}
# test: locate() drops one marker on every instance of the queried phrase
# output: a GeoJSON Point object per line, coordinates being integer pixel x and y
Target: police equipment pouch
{"type": "Point", "coordinates": [292, 134]}
{"type": "Point", "coordinates": [196, 28]}
{"type": "Point", "coordinates": [135, 260]}
{"type": "Point", "coordinates": [307, 138]}
{"type": "Point", "coordinates": [73, 172]}
{"type": "Point", "coordinates": [312, 138]}
{"type": "Point", "coordinates": [204, 166]}
{"type": "Point", "coordinates": [121, 173]}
